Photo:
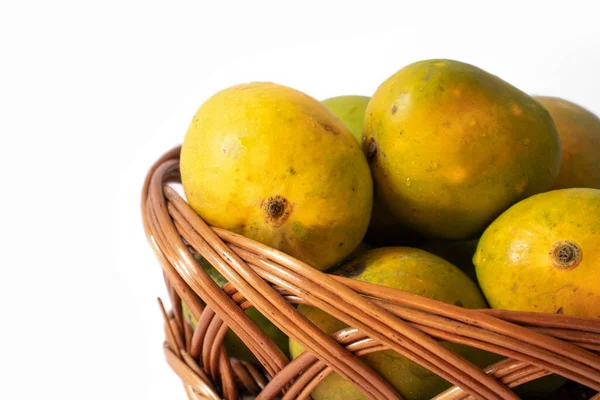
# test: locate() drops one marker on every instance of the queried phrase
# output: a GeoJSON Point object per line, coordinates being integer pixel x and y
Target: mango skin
{"type": "Point", "coordinates": [579, 131]}
{"type": "Point", "coordinates": [414, 271]}
{"type": "Point", "coordinates": [274, 165]}
{"type": "Point", "coordinates": [452, 146]}
{"type": "Point", "coordinates": [235, 346]}
{"type": "Point", "coordinates": [351, 111]}
{"type": "Point", "coordinates": [515, 260]}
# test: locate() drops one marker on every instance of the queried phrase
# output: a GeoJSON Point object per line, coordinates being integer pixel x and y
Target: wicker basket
{"type": "Point", "coordinates": [534, 344]}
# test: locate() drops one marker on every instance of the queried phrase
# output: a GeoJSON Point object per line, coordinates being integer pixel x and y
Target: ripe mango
{"type": "Point", "coordinates": [579, 131]}
{"type": "Point", "coordinates": [543, 254]}
{"type": "Point", "coordinates": [275, 165]}
{"type": "Point", "coordinates": [414, 271]}
{"type": "Point", "coordinates": [452, 146]}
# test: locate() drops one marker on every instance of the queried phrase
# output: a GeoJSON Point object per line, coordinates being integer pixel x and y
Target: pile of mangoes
{"type": "Point", "coordinates": [448, 182]}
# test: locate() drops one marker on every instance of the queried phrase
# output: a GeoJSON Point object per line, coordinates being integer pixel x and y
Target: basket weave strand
{"type": "Point", "coordinates": [379, 318]}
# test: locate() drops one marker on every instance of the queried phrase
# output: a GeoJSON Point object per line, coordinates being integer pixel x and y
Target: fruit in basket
{"type": "Point", "coordinates": [414, 271]}
{"type": "Point", "coordinates": [543, 254]}
{"type": "Point", "coordinates": [384, 229]}
{"type": "Point", "coordinates": [579, 132]}
{"type": "Point", "coordinates": [235, 346]}
{"type": "Point", "coordinates": [458, 252]}
{"type": "Point", "coordinates": [351, 111]}
{"type": "Point", "coordinates": [452, 146]}
{"type": "Point", "coordinates": [275, 165]}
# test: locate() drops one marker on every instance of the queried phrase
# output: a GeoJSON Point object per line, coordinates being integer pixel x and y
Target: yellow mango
{"type": "Point", "coordinates": [543, 254]}
{"type": "Point", "coordinates": [579, 131]}
{"type": "Point", "coordinates": [275, 165]}
{"type": "Point", "coordinates": [452, 146]}
{"type": "Point", "coordinates": [415, 271]}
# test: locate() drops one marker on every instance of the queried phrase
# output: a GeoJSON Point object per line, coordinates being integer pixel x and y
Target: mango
{"type": "Point", "coordinates": [579, 131]}
{"type": "Point", "coordinates": [414, 271]}
{"type": "Point", "coordinates": [234, 345]}
{"type": "Point", "coordinates": [543, 254]}
{"type": "Point", "coordinates": [275, 165]}
{"type": "Point", "coordinates": [452, 146]}
{"type": "Point", "coordinates": [351, 111]}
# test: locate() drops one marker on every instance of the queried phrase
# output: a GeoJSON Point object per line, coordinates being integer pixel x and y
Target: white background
{"type": "Point", "coordinates": [91, 93]}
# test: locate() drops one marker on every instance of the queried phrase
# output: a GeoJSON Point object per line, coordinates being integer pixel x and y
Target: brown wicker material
{"type": "Point", "coordinates": [534, 344]}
